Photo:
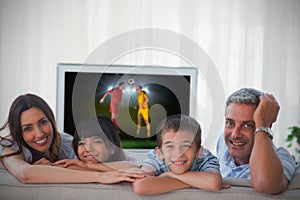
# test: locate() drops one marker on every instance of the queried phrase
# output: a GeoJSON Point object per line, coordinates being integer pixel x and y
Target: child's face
{"type": "Point", "coordinates": [93, 150]}
{"type": "Point", "coordinates": [178, 150]}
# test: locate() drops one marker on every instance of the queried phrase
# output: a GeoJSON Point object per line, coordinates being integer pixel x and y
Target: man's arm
{"type": "Point", "coordinates": [265, 166]}
{"type": "Point", "coordinates": [105, 95]}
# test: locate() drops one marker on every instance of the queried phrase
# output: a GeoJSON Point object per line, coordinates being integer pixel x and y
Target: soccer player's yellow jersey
{"type": "Point", "coordinates": [141, 99]}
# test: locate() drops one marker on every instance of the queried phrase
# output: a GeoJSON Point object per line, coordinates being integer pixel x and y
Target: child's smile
{"type": "Point", "coordinates": [178, 151]}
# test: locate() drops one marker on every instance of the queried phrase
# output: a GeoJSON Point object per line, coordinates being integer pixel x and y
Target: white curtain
{"type": "Point", "coordinates": [251, 43]}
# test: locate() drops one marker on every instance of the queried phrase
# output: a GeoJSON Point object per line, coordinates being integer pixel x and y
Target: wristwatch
{"type": "Point", "coordinates": [267, 130]}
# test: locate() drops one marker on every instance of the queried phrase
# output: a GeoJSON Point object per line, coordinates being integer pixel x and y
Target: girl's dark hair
{"type": "Point", "coordinates": [21, 104]}
{"type": "Point", "coordinates": [102, 127]}
{"type": "Point", "coordinates": [179, 123]}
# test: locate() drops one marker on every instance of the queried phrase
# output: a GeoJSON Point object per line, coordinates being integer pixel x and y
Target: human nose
{"type": "Point", "coordinates": [235, 132]}
{"type": "Point", "coordinates": [178, 151]}
{"type": "Point", "coordinates": [38, 132]}
{"type": "Point", "coordinates": [89, 146]}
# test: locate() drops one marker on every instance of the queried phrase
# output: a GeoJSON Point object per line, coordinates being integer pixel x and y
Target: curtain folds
{"type": "Point", "coordinates": [251, 43]}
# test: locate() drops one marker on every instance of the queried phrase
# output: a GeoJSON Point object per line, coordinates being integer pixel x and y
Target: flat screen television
{"type": "Point", "coordinates": [170, 90]}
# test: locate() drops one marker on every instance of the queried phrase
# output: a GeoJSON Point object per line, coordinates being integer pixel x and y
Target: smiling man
{"type": "Point", "coordinates": [246, 150]}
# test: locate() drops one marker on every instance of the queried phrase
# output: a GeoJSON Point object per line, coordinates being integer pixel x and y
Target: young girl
{"type": "Point", "coordinates": [35, 140]}
{"type": "Point", "coordinates": [96, 141]}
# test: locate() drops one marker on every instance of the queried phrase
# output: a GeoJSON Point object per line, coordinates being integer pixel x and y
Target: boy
{"type": "Point", "coordinates": [179, 161]}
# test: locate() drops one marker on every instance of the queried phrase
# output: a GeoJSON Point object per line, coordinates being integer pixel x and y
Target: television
{"type": "Point", "coordinates": [170, 90]}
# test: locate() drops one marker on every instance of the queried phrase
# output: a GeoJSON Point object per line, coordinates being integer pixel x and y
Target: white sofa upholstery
{"type": "Point", "coordinates": [11, 188]}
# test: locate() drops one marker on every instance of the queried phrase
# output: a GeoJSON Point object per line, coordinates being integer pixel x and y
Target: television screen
{"type": "Point", "coordinates": [121, 92]}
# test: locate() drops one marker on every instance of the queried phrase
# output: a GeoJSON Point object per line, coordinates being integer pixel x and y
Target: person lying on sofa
{"type": "Point", "coordinates": [179, 161]}
{"type": "Point", "coordinates": [97, 145]}
{"type": "Point", "coordinates": [246, 150]}
{"type": "Point", "coordinates": [35, 140]}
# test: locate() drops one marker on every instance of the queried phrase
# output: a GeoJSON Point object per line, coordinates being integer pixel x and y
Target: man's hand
{"type": "Point", "coordinates": [267, 111]}
{"type": "Point", "coordinates": [101, 100]}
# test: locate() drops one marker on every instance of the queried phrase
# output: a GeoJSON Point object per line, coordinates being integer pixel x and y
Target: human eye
{"type": "Point", "coordinates": [27, 129]}
{"type": "Point", "coordinates": [44, 121]}
{"type": "Point", "coordinates": [248, 125]}
{"type": "Point", "coordinates": [187, 146]}
{"type": "Point", "coordinates": [81, 143]}
{"type": "Point", "coordinates": [169, 146]}
{"type": "Point", "coordinates": [98, 141]}
{"type": "Point", "coordinates": [229, 123]}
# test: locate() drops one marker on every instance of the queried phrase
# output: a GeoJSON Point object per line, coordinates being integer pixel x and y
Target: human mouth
{"type": "Point", "coordinates": [89, 157]}
{"type": "Point", "coordinates": [178, 162]}
{"type": "Point", "coordinates": [237, 143]}
{"type": "Point", "coordinates": [41, 142]}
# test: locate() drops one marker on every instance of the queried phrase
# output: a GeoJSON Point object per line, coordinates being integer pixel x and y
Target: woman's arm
{"type": "Point", "coordinates": [27, 173]}
{"type": "Point", "coordinates": [103, 167]}
{"type": "Point", "coordinates": [111, 166]}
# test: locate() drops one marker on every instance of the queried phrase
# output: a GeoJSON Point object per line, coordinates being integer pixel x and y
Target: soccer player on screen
{"type": "Point", "coordinates": [143, 110]}
{"type": "Point", "coordinates": [115, 102]}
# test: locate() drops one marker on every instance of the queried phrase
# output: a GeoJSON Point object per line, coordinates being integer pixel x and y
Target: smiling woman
{"type": "Point", "coordinates": [31, 123]}
{"type": "Point", "coordinates": [37, 129]}
{"type": "Point", "coordinates": [36, 144]}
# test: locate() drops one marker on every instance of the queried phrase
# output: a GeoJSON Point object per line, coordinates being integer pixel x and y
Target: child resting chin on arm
{"type": "Point", "coordinates": [179, 161]}
{"type": "Point", "coordinates": [98, 146]}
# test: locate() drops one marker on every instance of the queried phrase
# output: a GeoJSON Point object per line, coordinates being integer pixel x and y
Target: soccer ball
{"type": "Point", "coordinates": [131, 82]}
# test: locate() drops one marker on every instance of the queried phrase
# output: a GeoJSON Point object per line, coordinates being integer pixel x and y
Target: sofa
{"type": "Point", "coordinates": [11, 188]}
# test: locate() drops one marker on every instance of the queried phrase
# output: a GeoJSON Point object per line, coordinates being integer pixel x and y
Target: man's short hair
{"type": "Point", "coordinates": [179, 123]}
{"type": "Point", "coordinates": [245, 96]}
{"type": "Point", "coordinates": [122, 83]}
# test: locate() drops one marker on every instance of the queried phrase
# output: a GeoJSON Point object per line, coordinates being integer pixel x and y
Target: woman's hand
{"type": "Point", "coordinates": [119, 176]}
{"type": "Point", "coordinates": [42, 161]}
{"type": "Point", "coordinates": [67, 162]}
{"type": "Point", "coordinates": [135, 170]}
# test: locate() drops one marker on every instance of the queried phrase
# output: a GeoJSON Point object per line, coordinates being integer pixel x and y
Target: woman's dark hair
{"type": "Point", "coordinates": [100, 126]}
{"type": "Point", "coordinates": [21, 104]}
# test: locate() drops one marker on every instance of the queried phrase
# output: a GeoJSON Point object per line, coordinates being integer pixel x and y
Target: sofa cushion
{"type": "Point", "coordinates": [11, 188]}
{"type": "Point", "coordinates": [295, 183]}
{"type": "Point", "coordinates": [242, 182]}
{"type": "Point", "coordinates": [1, 165]}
